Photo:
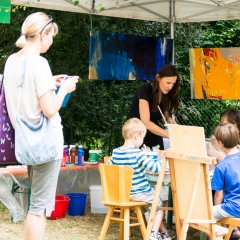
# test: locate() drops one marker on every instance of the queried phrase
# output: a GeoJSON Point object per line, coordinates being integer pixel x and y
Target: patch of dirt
{"type": "Point", "coordinates": [69, 228]}
{"type": "Point", "coordinates": [85, 227]}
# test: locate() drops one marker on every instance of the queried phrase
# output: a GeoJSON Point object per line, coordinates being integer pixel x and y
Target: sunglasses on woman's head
{"type": "Point", "coordinates": [48, 22]}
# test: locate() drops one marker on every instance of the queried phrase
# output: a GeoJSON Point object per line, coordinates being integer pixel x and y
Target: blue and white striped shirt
{"type": "Point", "coordinates": [139, 161]}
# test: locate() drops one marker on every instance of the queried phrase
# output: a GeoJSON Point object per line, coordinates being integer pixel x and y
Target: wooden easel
{"type": "Point", "coordinates": [190, 181]}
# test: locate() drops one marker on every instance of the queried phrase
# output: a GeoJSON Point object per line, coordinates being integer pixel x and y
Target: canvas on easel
{"type": "Point", "coordinates": [187, 140]}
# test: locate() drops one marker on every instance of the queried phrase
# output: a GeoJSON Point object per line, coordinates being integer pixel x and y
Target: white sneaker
{"type": "Point", "coordinates": [165, 236]}
{"type": "Point", "coordinates": [155, 236]}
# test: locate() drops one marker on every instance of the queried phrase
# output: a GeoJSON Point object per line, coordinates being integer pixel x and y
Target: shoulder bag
{"type": "Point", "coordinates": [34, 144]}
{"type": "Point", "coordinates": [7, 152]}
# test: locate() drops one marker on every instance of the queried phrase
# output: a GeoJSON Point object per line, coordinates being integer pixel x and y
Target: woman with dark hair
{"type": "Point", "coordinates": [156, 101]}
{"type": "Point", "coordinates": [231, 116]}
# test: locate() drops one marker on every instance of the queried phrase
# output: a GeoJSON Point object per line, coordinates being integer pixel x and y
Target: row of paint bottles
{"type": "Point", "coordinates": [65, 158]}
{"type": "Point", "coordinates": [73, 155]}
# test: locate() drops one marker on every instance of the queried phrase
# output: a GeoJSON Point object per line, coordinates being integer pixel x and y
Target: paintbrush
{"type": "Point", "coordinates": [164, 119]}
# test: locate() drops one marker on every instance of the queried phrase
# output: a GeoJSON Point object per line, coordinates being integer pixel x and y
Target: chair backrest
{"type": "Point", "coordinates": [106, 159]}
{"type": "Point", "coordinates": [188, 140]}
{"type": "Point", "coordinates": [116, 183]}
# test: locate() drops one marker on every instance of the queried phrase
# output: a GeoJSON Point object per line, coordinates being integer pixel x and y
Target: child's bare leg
{"type": "Point", "coordinates": [163, 227]}
{"type": "Point", "coordinates": [157, 220]}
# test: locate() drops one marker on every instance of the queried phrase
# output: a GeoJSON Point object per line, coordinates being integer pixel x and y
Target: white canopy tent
{"type": "Point", "coordinates": [153, 10]}
{"type": "Point", "coordinates": [172, 11]}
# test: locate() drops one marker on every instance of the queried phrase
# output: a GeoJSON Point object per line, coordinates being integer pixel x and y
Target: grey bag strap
{"type": "Point", "coordinates": [2, 77]}
{"type": "Point", "coordinates": [20, 84]}
{"type": "Point", "coordinates": [1, 83]}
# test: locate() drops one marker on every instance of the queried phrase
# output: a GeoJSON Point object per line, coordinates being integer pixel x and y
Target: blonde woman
{"type": "Point", "coordinates": [37, 96]}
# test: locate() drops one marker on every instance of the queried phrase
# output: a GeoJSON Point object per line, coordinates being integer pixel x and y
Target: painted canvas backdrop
{"type": "Point", "coordinates": [127, 57]}
{"type": "Point", "coordinates": [215, 73]}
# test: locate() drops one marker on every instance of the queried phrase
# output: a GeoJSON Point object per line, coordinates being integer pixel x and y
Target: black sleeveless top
{"type": "Point", "coordinates": [145, 92]}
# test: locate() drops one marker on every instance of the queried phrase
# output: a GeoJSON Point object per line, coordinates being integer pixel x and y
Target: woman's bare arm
{"type": "Point", "coordinates": [144, 111]}
{"type": "Point", "coordinates": [51, 102]}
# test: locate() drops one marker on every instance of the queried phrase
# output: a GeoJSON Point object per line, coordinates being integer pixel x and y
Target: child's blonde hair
{"type": "Point", "coordinates": [227, 134]}
{"type": "Point", "coordinates": [35, 24]}
{"type": "Point", "coordinates": [214, 149]}
{"type": "Point", "coordinates": [133, 126]}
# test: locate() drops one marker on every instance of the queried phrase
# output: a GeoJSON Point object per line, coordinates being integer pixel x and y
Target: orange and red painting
{"type": "Point", "coordinates": [215, 73]}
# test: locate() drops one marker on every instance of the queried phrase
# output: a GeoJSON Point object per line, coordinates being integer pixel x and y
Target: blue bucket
{"type": "Point", "coordinates": [77, 204]}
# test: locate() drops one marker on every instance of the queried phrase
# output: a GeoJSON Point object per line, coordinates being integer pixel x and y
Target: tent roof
{"type": "Point", "coordinates": [153, 10]}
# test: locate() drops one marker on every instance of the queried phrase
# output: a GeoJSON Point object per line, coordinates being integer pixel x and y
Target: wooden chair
{"type": "Point", "coordinates": [231, 222]}
{"type": "Point", "coordinates": [106, 159]}
{"type": "Point", "coordinates": [116, 186]}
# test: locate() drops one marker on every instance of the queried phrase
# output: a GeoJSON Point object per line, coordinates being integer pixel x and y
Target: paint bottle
{"type": "Point", "coordinates": [65, 158]}
{"type": "Point", "coordinates": [80, 155]}
{"type": "Point", "coordinates": [73, 154]}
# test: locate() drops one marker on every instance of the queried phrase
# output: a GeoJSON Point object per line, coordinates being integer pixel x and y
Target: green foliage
{"type": "Point", "coordinates": [97, 109]}
{"type": "Point", "coordinates": [75, 2]}
{"type": "Point", "coordinates": [222, 34]}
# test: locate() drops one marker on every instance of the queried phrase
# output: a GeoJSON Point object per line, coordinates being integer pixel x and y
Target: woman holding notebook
{"type": "Point", "coordinates": [155, 101]}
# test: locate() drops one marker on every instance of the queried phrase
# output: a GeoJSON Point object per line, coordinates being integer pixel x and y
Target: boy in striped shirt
{"type": "Point", "coordinates": [129, 154]}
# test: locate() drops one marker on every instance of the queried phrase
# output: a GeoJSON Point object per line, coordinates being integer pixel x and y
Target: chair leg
{"type": "Point", "coordinates": [106, 223]}
{"type": "Point", "coordinates": [126, 223]}
{"type": "Point", "coordinates": [121, 227]}
{"type": "Point", "coordinates": [141, 221]}
{"type": "Point", "coordinates": [230, 229]}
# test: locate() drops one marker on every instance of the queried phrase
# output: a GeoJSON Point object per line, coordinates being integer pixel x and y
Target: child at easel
{"type": "Point", "coordinates": [228, 116]}
{"type": "Point", "coordinates": [226, 178]}
{"type": "Point", "coordinates": [129, 154]}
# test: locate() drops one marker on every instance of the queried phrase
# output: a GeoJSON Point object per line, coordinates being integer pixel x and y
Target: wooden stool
{"type": "Point", "coordinates": [231, 222]}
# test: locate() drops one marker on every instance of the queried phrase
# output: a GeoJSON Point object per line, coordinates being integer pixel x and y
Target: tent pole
{"type": "Point", "coordinates": [172, 18]}
{"type": "Point", "coordinates": [172, 36]}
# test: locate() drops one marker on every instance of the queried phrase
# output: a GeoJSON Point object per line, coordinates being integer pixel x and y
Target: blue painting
{"type": "Point", "coordinates": [127, 57]}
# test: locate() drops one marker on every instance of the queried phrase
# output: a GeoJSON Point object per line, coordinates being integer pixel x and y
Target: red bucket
{"type": "Point", "coordinates": [61, 207]}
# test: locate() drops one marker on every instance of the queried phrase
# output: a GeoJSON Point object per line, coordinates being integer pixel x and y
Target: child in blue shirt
{"type": "Point", "coordinates": [226, 178]}
{"type": "Point", "coordinates": [129, 154]}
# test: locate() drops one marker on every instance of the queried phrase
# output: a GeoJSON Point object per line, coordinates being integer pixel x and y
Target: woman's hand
{"type": "Point", "coordinates": [51, 102]}
{"type": "Point", "coordinates": [170, 120]}
{"type": "Point", "coordinates": [166, 134]}
{"type": "Point", "coordinates": [69, 84]}
{"type": "Point", "coordinates": [58, 79]}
